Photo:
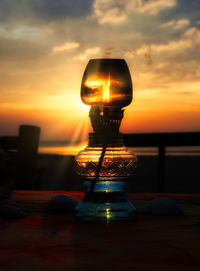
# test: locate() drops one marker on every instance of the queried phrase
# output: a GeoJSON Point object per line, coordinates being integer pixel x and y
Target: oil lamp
{"type": "Point", "coordinates": [105, 163]}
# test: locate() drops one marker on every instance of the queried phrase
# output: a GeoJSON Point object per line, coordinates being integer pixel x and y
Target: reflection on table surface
{"type": "Point", "coordinates": [45, 241]}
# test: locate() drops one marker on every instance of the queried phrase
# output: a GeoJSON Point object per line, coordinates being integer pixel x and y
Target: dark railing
{"type": "Point", "coordinates": [9, 142]}
{"type": "Point", "coordinates": [162, 140]}
{"type": "Point", "coordinates": [26, 147]}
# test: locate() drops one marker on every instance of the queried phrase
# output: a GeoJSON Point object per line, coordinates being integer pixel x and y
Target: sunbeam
{"type": "Point", "coordinates": [71, 149]}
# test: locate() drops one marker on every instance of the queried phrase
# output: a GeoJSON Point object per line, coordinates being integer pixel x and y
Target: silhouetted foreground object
{"type": "Point", "coordinates": [62, 203]}
{"type": "Point", "coordinates": [162, 206]}
{"type": "Point", "coordinates": [28, 142]}
{"type": "Point", "coordinates": [10, 211]}
{"type": "Point", "coordinates": [5, 192]}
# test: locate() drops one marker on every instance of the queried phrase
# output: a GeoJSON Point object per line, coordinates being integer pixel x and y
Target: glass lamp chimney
{"type": "Point", "coordinates": [107, 83]}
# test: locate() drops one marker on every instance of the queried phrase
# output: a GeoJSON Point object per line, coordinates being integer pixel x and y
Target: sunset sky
{"type": "Point", "coordinates": [46, 44]}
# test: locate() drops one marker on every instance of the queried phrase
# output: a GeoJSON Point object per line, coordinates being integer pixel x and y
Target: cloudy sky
{"type": "Point", "coordinates": [46, 44]}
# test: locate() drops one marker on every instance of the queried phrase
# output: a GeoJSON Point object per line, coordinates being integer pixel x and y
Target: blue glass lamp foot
{"type": "Point", "coordinates": [106, 203]}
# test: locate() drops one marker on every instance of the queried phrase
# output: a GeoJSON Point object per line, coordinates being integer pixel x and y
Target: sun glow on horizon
{"type": "Point", "coordinates": [65, 116]}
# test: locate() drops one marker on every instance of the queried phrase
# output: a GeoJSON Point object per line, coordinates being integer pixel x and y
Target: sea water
{"type": "Point", "coordinates": [61, 148]}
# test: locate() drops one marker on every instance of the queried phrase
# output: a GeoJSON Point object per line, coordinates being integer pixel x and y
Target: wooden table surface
{"type": "Point", "coordinates": [44, 241]}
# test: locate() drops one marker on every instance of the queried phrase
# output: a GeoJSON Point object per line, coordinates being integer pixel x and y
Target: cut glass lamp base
{"type": "Point", "coordinates": [106, 203]}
